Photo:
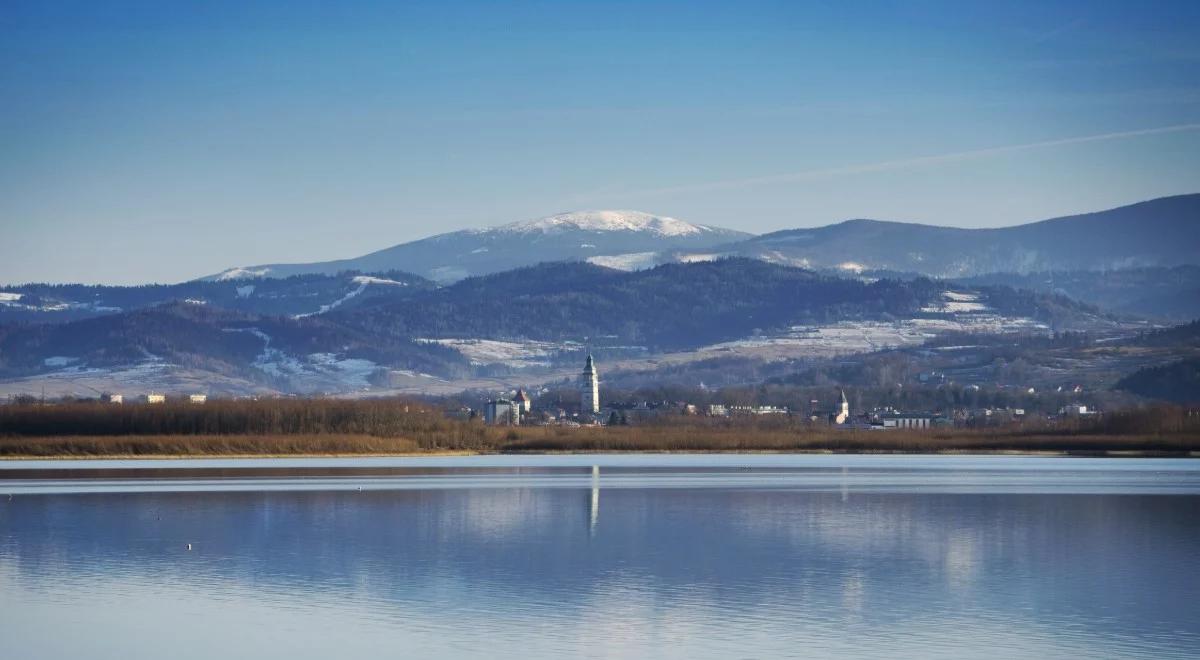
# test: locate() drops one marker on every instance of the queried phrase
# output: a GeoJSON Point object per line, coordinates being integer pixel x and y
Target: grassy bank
{"type": "Point", "coordinates": [590, 440]}
{"type": "Point", "coordinates": [324, 427]}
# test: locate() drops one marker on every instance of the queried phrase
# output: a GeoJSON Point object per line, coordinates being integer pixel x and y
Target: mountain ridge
{"type": "Point", "coordinates": [1162, 232]}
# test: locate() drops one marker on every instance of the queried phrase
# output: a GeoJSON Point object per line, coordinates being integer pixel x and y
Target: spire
{"type": "Point", "coordinates": [845, 401]}
{"type": "Point", "coordinates": [590, 366]}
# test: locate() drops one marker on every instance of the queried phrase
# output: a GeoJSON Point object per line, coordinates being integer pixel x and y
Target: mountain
{"type": "Point", "coordinates": [289, 354]}
{"type": "Point", "coordinates": [539, 317]}
{"type": "Point", "coordinates": [299, 295]}
{"type": "Point", "coordinates": [1162, 232]}
{"type": "Point", "coordinates": [576, 236]}
{"type": "Point", "coordinates": [674, 306]}
{"type": "Point", "coordinates": [1172, 294]}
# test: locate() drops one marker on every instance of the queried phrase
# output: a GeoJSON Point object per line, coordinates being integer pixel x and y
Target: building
{"type": "Point", "coordinates": [842, 415]}
{"type": "Point", "coordinates": [198, 398]}
{"type": "Point", "coordinates": [112, 398]}
{"type": "Point", "coordinates": [1075, 410]}
{"type": "Point", "coordinates": [717, 410]}
{"type": "Point", "coordinates": [522, 399]}
{"type": "Point", "coordinates": [589, 389]}
{"type": "Point", "coordinates": [899, 420]}
{"type": "Point", "coordinates": [502, 411]}
{"type": "Point", "coordinates": [156, 398]}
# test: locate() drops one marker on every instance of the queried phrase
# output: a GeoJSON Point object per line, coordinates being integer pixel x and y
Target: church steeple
{"type": "Point", "coordinates": [589, 388]}
{"type": "Point", "coordinates": [843, 413]}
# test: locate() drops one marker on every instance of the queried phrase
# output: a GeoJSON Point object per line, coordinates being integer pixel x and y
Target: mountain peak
{"type": "Point", "coordinates": [606, 221]}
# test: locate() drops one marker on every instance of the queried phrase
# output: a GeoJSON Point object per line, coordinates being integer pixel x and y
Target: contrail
{"type": "Point", "coordinates": [909, 162]}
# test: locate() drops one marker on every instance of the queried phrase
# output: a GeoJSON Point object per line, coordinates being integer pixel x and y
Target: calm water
{"type": "Point", "coordinates": [653, 557]}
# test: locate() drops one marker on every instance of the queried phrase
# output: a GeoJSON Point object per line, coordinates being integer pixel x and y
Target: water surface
{"type": "Point", "coordinates": [696, 556]}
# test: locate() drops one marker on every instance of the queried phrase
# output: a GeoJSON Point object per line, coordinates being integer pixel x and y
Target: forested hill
{"type": "Point", "coordinates": [668, 307]}
{"type": "Point", "coordinates": [671, 307]}
{"type": "Point", "coordinates": [207, 338]}
{"type": "Point", "coordinates": [291, 296]}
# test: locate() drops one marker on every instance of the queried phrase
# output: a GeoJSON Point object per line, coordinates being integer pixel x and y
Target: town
{"type": "Point", "coordinates": [522, 408]}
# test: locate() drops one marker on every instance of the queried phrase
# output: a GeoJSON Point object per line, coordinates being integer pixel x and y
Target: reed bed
{"type": "Point", "coordinates": [324, 427]}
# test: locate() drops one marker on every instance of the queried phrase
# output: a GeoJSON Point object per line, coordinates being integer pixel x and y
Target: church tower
{"type": "Point", "coordinates": [843, 413]}
{"type": "Point", "coordinates": [589, 389]}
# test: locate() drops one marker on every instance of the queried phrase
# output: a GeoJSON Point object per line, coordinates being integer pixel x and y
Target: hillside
{"type": "Point", "coordinates": [1178, 382]}
{"type": "Point", "coordinates": [1162, 232]}
{"type": "Point", "coordinates": [676, 306]}
{"type": "Point", "coordinates": [539, 317]}
{"type": "Point", "coordinates": [285, 353]}
{"type": "Point", "coordinates": [1166, 293]}
{"type": "Point", "coordinates": [300, 295]}
{"type": "Point", "coordinates": [573, 236]}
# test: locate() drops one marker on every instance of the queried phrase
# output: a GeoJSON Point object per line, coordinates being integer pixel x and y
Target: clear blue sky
{"type": "Point", "coordinates": [161, 141]}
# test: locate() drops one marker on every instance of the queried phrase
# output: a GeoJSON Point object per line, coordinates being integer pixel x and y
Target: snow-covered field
{"type": "Point", "coordinates": [630, 261]}
{"type": "Point", "coordinates": [865, 336]}
{"type": "Point", "coordinates": [954, 302]}
{"type": "Point", "coordinates": [515, 354]}
{"type": "Point", "coordinates": [316, 372]}
{"type": "Point", "coordinates": [14, 300]}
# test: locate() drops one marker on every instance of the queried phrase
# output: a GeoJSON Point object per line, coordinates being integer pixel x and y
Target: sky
{"type": "Point", "coordinates": [162, 141]}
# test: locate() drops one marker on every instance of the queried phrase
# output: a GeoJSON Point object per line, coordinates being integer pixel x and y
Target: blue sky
{"type": "Point", "coordinates": [162, 141]}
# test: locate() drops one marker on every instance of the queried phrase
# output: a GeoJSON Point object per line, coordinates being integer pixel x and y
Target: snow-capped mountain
{"type": "Point", "coordinates": [573, 236]}
{"type": "Point", "coordinates": [607, 221]}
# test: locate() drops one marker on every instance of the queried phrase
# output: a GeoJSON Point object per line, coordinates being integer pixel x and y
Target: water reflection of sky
{"type": "Point", "coordinates": [679, 571]}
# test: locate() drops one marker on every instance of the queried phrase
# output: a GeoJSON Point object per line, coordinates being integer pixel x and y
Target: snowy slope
{"type": "Point", "coordinates": [573, 236]}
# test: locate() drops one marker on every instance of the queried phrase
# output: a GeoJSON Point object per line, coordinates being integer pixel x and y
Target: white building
{"type": "Point", "coordinates": [198, 398]}
{"type": "Point", "coordinates": [589, 389]}
{"type": "Point", "coordinates": [522, 399]}
{"type": "Point", "coordinates": [502, 411]}
{"type": "Point", "coordinates": [113, 398]}
{"type": "Point", "coordinates": [842, 415]}
{"type": "Point", "coordinates": [156, 398]}
{"type": "Point", "coordinates": [901, 420]}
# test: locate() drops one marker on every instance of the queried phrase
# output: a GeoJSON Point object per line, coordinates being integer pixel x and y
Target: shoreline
{"type": "Point", "coordinates": [1044, 453]}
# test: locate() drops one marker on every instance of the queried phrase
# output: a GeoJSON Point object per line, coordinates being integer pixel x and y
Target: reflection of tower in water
{"type": "Point", "coordinates": [594, 509]}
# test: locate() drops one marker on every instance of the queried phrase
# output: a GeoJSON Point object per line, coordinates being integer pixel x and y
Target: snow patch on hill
{"type": "Point", "coordinates": [316, 372]}
{"type": "Point", "coordinates": [241, 273]}
{"type": "Point", "coordinates": [954, 302]}
{"type": "Point", "coordinates": [363, 281]}
{"type": "Point", "coordinates": [605, 221]}
{"type": "Point", "coordinates": [515, 354]}
{"type": "Point", "coordinates": [630, 261]}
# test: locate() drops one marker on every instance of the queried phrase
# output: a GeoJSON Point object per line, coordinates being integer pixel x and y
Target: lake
{"type": "Point", "coordinates": [680, 556]}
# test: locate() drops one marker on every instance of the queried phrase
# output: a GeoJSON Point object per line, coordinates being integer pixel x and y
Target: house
{"type": "Point", "coordinates": [112, 398]}
{"type": "Point", "coordinates": [198, 398]}
{"type": "Point", "coordinates": [156, 398]}
{"type": "Point", "coordinates": [502, 411]}
{"type": "Point", "coordinates": [717, 410]}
